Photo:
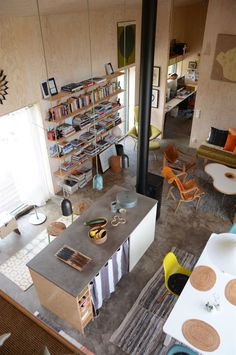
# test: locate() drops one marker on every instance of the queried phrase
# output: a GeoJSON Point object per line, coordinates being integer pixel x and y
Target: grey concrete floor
{"type": "Point", "coordinates": [188, 229]}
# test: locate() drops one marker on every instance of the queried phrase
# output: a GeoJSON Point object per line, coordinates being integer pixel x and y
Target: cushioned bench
{"type": "Point", "coordinates": [216, 154]}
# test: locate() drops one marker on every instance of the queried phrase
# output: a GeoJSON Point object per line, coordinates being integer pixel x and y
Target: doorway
{"type": "Point", "coordinates": [184, 60]}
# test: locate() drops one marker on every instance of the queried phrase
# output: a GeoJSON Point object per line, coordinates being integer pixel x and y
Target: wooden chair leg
{"type": "Point", "coordinates": [198, 202]}
{"type": "Point", "coordinates": [178, 206]}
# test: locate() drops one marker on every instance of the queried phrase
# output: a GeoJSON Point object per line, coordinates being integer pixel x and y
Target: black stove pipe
{"type": "Point", "coordinates": [149, 13]}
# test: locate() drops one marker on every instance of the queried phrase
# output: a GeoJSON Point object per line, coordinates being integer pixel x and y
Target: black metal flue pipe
{"type": "Point", "coordinates": [149, 13]}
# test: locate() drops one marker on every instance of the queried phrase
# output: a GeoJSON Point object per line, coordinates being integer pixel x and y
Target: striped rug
{"type": "Point", "coordinates": [141, 333]}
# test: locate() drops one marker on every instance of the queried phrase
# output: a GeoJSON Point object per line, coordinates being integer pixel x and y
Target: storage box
{"type": "Point", "coordinates": [70, 186]}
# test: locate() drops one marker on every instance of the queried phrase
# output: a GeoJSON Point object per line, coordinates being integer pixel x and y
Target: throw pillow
{"type": "Point", "coordinates": [230, 143]}
{"type": "Point", "coordinates": [232, 131]}
{"type": "Point", "coordinates": [218, 137]}
{"type": "Point", "coordinates": [234, 152]}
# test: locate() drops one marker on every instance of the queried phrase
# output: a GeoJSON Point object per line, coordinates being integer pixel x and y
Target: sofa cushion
{"type": "Point", "coordinates": [218, 136]}
{"type": "Point", "coordinates": [230, 143]}
{"type": "Point", "coordinates": [232, 131]}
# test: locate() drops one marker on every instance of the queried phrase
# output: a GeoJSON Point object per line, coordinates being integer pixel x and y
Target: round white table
{"type": "Point", "coordinates": [224, 178]}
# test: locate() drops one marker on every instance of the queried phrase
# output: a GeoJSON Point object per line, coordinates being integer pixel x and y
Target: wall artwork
{"type": "Point", "coordinates": [224, 65]}
{"type": "Point", "coordinates": [156, 76]}
{"type": "Point", "coordinates": [126, 43]}
{"type": "Point", "coordinates": [155, 98]}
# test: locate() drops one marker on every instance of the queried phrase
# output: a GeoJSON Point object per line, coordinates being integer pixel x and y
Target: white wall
{"type": "Point", "coordinates": [215, 99]}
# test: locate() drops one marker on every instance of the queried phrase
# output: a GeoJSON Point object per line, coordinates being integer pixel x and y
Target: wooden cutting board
{"type": "Point", "coordinates": [201, 335]}
{"type": "Point", "coordinates": [230, 292]}
{"type": "Point", "coordinates": [203, 278]}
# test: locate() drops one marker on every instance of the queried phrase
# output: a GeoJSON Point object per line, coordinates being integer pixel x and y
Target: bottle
{"type": "Point", "coordinates": [125, 161]}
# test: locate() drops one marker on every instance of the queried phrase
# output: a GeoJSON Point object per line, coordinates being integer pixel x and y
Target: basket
{"type": "Point", "coordinates": [98, 240]}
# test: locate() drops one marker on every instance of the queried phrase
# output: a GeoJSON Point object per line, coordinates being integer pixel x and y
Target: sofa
{"type": "Point", "coordinates": [220, 147]}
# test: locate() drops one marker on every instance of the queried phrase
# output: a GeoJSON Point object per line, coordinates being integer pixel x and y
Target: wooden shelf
{"type": "Point", "coordinates": [63, 174]}
{"type": "Point", "coordinates": [102, 117]}
{"type": "Point", "coordinates": [63, 94]}
{"type": "Point", "coordinates": [86, 108]}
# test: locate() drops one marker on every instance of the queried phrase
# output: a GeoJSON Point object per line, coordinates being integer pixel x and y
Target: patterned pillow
{"type": "Point", "coordinates": [218, 137]}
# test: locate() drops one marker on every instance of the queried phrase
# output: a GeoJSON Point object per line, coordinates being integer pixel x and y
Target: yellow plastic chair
{"type": "Point", "coordinates": [176, 275]}
{"type": "Point", "coordinates": [153, 133]}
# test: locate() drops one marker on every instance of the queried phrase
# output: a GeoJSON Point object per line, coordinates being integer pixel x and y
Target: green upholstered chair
{"type": "Point", "coordinates": [154, 132]}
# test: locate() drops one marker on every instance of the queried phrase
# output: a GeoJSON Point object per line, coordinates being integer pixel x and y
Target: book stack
{"type": "Point", "coordinates": [99, 109]}
{"type": "Point", "coordinates": [82, 176]}
{"type": "Point", "coordinates": [77, 143]}
{"type": "Point", "coordinates": [65, 148]}
{"type": "Point", "coordinates": [67, 165]}
{"type": "Point", "coordinates": [72, 87]}
{"type": "Point", "coordinates": [88, 83]}
{"type": "Point", "coordinates": [65, 130]}
{"type": "Point", "coordinates": [102, 144]}
{"type": "Point", "coordinates": [107, 105]}
{"type": "Point", "coordinates": [87, 137]}
{"type": "Point", "coordinates": [81, 121]}
{"type": "Point", "coordinates": [54, 150]}
{"type": "Point", "coordinates": [92, 115]}
{"type": "Point", "coordinates": [91, 150]}
{"type": "Point", "coordinates": [99, 80]}
{"type": "Point", "coordinates": [79, 158]}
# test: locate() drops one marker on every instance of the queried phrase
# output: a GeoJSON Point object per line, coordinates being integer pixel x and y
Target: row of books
{"type": "Point", "coordinates": [75, 103]}
{"type": "Point", "coordinates": [78, 179]}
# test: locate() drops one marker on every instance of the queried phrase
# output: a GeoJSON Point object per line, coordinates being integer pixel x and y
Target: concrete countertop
{"type": "Point", "coordinates": [76, 236]}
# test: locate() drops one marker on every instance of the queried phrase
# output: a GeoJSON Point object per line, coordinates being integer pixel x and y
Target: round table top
{"type": "Point", "coordinates": [224, 178]}
{"type": "Point", "coordinates": [56, 228]}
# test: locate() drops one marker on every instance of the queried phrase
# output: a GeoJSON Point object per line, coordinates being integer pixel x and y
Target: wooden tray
{"type": "Point", "coordinates": [201, 335]}
{"type": "Point", "coordinates": [73, 257]}
{"type": "Point", "coordinates": [203, 278]}
{"type": "Point", "coordinates": [230, 292]}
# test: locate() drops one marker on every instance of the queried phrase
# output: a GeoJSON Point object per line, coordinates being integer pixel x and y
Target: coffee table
{"type": "Point", "coordinates": [224, 178]}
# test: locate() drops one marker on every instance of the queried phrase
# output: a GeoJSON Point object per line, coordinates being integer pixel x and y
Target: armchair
{"type": "Point", "coordinates": [154, 132]}
{"type": "Point", "coordinates": [177, 160]}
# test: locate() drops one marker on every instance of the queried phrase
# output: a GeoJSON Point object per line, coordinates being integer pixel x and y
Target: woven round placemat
{"type": "Point", "coordinates": [201, 335]}
{"type": "Point", "coordinates": [203, 278]}
{"type": "Point", "coordinates": [230, 292]}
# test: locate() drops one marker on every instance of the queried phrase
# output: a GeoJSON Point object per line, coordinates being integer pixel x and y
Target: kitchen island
{"type": "Point", "coordinates": [65, 290]}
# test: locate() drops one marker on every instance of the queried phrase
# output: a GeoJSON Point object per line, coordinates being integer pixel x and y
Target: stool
{"type": "Point", "coordinates": [180, 349]}
{"type": "Point", "coordinates": [55, 229]}
{"type": "Point", "coordinates": [8, 224]}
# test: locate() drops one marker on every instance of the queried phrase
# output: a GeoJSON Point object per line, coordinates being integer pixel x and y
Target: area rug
{"type": "Point", "coordinates": [15, 267]}
{"type": "Point", "coordinates": [141, 333]}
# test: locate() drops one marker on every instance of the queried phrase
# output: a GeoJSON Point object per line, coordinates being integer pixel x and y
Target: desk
{"type": "Point", "coordinates": [191, 305]}
{"type": "Point", "coordinates": [58, 284]}
{"type": "Point", "coordinates": [177, 100]}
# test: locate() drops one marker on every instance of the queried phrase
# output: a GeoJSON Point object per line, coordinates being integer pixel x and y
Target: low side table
{"type": "Point", "coordinates": [224, 178]}
{"type": "Point", "coordinates": [8, 224]}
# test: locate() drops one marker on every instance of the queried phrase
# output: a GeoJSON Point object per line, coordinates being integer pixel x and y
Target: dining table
{"type": "Point", "coordinates": [204, 315]}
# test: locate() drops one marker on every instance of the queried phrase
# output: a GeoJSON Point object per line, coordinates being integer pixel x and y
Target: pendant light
{"type": "Point", "coordinates": [97, 179]}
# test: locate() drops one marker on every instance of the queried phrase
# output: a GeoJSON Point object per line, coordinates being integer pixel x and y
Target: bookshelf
{"type": "Point", "coordinates": [95, 106]}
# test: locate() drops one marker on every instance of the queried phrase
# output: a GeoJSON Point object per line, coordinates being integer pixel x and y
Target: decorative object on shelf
{"type": "Point", "coordinates": [155, 98]}
{"type": "Point", "coordinates": [98, 182]}
{"type": "Point", "coordinates": [3, 86]}
{"type": "Point", "coordinates": [156, 76]}
{"type": "Point", "coordinates": [52, 86]}
{"type": "Point", "coordinates": [104, 157]}
{"type": "Point", "coordinates": [126, 43]}
{"type": "Point", "coordinates": [192, 65]}
{"type": "Point", "coordinates": [66, 208]}
{"type": "Point", "coordinates": [45, 89]}
{"type": "Point", "coordinates": [108, 68]}
{"type": "Point", "coordinates": [223, 68]}
{"type": "Point", "coordinates": [116, 132]}
{"type": "Point", "coordinates": [37, 218]}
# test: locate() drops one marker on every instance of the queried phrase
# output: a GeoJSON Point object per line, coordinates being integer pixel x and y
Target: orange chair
{"type": "Point", "coordinates": [188, 190]}
{"type": "Point", "coordinates": [177, 160]}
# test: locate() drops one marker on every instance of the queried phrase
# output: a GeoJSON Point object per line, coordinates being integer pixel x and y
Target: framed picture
{"type": "Point", "coordinates": [155, 98]}
{"type": "Point", "coordinates": [192, 65]}
{"type": "Point", "coordinates": [45, 89]}
{"type": "Point", "coordinates": [105, 155]}
{"type": "Point", "coordinates": [126, 34]}
{"type": "Point", "coordinates": [156, 77]}
{"type": "Point", "coordinates": [108, 68]}
{"type": "Point", "coordinates": [52, 86]}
